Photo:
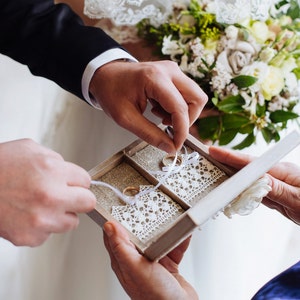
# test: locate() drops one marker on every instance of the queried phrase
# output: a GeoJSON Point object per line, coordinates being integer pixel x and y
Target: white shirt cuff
{"type": "Point", "coordinates": [97, 62]}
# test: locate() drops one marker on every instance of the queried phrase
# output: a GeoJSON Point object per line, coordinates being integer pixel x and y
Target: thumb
{"type": "Point", "coordinates": [118, 244]}
{"type": "Point", "coordinates": [281, 193]}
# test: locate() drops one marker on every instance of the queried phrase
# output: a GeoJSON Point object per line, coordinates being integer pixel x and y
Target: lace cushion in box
{"type": "Point", "coordinates": [153, 212]}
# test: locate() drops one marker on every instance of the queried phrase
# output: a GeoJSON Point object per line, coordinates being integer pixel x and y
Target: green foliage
{"type": "Point", "coordinates": [248, 141]}
{"type": "Point", "coordinates": [244, 81]}
{"type": "Point", "coordinates": [231, 104]}
{"type": "Point", "coordinates": [282, 116]}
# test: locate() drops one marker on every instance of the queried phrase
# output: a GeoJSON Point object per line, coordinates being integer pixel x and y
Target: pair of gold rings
{"type": "Point", "coordinates": [167, 161]}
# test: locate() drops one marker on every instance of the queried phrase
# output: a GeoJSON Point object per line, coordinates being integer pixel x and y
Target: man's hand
{"type": "Point", "coordinates": [40, 193]}
{"type": "Point", "coordinates": [284, 180]}
{"type": "Point", "coordinates": [141, 278]}
{"type": "Point", "coordinates": [123, 90]}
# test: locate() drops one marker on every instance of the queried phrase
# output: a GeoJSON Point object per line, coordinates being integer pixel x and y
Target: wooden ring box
{"type": "Point", "coordinates": [123, 169]}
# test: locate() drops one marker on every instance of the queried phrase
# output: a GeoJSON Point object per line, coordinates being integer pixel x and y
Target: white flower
{"type": "Point", "coordinates": [222, 61]}
{"type": "Point", "coordinates": [258, 70]}
{"type": "Point", "coordinates": [250, 199]}
{"type": "Point", "coordinates": [209, 58]}
{"type": "Point", "coordinates": [210, 6]}
{"type": "Point", "coordinates": [260, 31]}
{"type": "Point", "coordinates": [245, 46]}
{"type": "Point", "coordinates": [170, 47]}
{"type": "Point", "coordinates": [288, 65]}
{"type": "Point", "coordinates": [267, 54]}
{"type": "Point", "coordinates": [277, 103]}
{"type": "Point", "coordinates": [248, 100]}
{"type": "Point", "coordinates": [220, 79]}
{"type": "Point", "coordinates": [273, 83]}
{"type": "Point", "coordinates": [237, 55]}
{"type": "Point", "coordinates": [260, 98]}
{"type": "Point", "coordinates": [238, 60]}
{"type": "Point", "coordinates": [291, 82]}
{"type": "Point", "coordinates": [197, 47]}
{"type": "Point", "coordinates": [193, 68]}
{"type": "Point", "coordinates": [232, 89]}
{"type": "Point", "coordinates": [232, 32]}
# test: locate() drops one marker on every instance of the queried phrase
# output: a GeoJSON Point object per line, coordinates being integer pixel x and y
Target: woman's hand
{"type": "Point", "coordinates": [141, 278]}
{"type": "Point", "coordinates": [284, 180]}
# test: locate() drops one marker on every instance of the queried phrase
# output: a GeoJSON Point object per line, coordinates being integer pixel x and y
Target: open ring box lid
{"type": "Point", "coordinates": [157, 229]}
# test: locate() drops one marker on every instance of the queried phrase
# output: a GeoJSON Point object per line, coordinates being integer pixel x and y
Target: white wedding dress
{"type": "Point", "coordinates": [227, 259]}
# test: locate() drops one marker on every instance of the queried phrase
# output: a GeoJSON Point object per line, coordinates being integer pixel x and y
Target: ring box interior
{"type": "Point", "coordinates": [166, 216]}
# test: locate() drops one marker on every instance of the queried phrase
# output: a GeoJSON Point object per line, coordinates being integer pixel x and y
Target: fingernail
{"type": "Point", "coordinates": [108, 229]}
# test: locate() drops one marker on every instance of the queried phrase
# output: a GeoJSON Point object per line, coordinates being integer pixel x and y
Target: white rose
{"type": "Point", "coordinates": [222, 60]}
{"type": "Point", "coordinates": [260, 31]}
{"type": "Point", "coordinates": [257, 69]}
{"type": "Point", "coordinates": [238, 60]}
{"type": "Point", "coordinates": [273, 83]}
{"type": "Point", "coordinates": [241, 56]}
{"type": "Point", "coordinates": [250, 199]}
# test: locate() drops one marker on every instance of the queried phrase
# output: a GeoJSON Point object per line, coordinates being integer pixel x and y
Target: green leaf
{"type": "Point", "coordinates": [260, 110]}
{"type": "Point", "coordinates": [270, 134]}
{"type": "Point", "coordinates": [232, 104]}
{"type": "Point", "coordinates": [208, 127]}
{"type": "Point", "coordinates": [282, 116]}
{"type": "Point", "coordinates": [294, 10]}
{"type": "Point", "coordinates": [244, 81]}
{"type": "Point", "coordinates": [227, 136]}
{"type": "Point", "coordinates": [247, 129]}
{"type": "Point", "coordinates": [232, 121]}
{"type": "Point", "coordinates": [215, 101]}
{"type": "Point", "coordinates": [248, 141]}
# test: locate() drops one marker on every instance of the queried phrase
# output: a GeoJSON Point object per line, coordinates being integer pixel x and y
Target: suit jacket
{"type": "Point", "coordinates": [51, 40]}
{"type": "Point", "coordinates": [285, 286]}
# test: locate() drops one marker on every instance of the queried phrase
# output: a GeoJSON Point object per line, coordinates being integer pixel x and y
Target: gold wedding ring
{"type": "Point", "coordinates": [131, 191]}
{"type": "Point", "coordinates": [169, 159]}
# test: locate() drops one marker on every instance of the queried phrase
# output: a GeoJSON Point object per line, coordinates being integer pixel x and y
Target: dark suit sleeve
{"type": "Point", "coordinates": [51, 40]}
{"type": "Point", "coordinates": [285, 286]}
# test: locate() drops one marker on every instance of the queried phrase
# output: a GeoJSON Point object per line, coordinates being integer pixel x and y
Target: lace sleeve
{"type": "Point", "coordinates": [233, 11]}
{"type": "Point", "coordinates": [128, 12]}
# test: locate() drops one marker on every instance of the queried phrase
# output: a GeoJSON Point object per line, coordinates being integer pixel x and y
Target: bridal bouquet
{"type": "Point", "coordinates": [250, 69]}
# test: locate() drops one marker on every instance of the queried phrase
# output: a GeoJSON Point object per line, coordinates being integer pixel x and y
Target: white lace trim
{"type": "Point", "coordinates": [147, 214]}
{"type": "Point", "coordinates": [193, 179]}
